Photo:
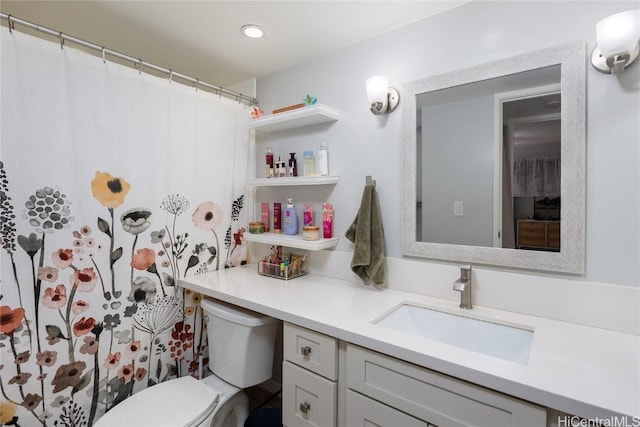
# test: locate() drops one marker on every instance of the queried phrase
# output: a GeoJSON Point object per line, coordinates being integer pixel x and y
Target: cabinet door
{"type": "Point", "coordinates": [307, 399]}
{"type": "Point", "coordinates": [432, 396]}
{"type": "Point", "coordinates": [553, 235]}
{"type": "Point", "coordinates": [532, 233]}
{"type": "Point", "coordinates": [365, 412]}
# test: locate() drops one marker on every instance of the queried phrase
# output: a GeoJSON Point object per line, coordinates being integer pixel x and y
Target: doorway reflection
{"type": "Point", "coordinates": [531, 204]}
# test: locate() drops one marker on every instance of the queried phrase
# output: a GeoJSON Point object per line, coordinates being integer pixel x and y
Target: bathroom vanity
{"type": "Point", "coordinates": [343, 366]}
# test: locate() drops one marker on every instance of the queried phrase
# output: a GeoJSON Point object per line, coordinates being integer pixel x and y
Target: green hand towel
{"type": "Point", "coordinates": [367, 234]}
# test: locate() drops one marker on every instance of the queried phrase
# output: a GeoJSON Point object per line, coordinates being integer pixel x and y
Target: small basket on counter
{"type": "Point", "coordinates": [284, 265]}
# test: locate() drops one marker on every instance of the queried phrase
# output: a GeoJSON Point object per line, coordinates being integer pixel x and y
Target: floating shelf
{"type": "Point", "coordinates": [295, 241]}
{"type": "Point", "coordinates": [298, 180]}
{"type": "Point", "coordinates": [305, 116]}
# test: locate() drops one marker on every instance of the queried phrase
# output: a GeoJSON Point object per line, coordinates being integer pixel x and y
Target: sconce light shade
{"type": "Point", "coordinates": [617, 37]}
{"type": "Point", "coordinates": [383, 99]}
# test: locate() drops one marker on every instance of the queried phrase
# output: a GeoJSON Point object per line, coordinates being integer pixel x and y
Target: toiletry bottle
{"type": "Point", "coordinates": [293, 165]}
{"type": "Point", "coordinates": [269, 163]}
{"type": "Point", "coordinates": [327, 220]}
{"type": "Point", "coordinates": [277, 218]}
{"type": "Point", "coordinates": [290, 220]}
{"type": "Point", "coordinates": [281, 170]}
{"type": "Point", "coordinates": [307, 214]}
{"type": "Point", "coordinates": [309, 164]}
{"type": "Point", "coordinates": [323, 159]}
{"type": "Point", "coordinates": [265, 215]}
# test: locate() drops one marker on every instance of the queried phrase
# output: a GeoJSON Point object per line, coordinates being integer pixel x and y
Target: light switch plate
{"type": "Point", "coordinates": [458, 208]}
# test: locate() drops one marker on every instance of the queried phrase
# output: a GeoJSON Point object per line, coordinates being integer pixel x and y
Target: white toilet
{"type": "Point", "coordinates": [241, 344]}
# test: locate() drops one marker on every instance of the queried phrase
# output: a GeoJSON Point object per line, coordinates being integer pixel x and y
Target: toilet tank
{"type": "Point", "coordinates": [241, 343]}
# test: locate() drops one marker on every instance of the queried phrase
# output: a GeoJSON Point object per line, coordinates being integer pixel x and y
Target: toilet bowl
{"type": "Point", "coordinates": [241, 344]}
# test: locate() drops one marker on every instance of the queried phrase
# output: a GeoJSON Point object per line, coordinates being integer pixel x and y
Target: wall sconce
{"type": "Point", "coordinates": [617, 42]}
{"type": "Point", "coordinates": [383, 99]}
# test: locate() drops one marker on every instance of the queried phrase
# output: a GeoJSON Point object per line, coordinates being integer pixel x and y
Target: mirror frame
{"type": "Point", "coordinates": [571, 258]}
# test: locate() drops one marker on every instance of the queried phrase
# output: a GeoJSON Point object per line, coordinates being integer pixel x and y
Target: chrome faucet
{"type": "Point", "coordinates": [463, 285]}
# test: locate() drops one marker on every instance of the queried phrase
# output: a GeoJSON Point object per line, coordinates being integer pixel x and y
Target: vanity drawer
{"type": "Point", "coordinates": [362, 411]}
{"type": "Point", "coordinates": [307, 399]}
{"type": "Point", "coordinates": [435, 397]}
{"type": "Point", "coordinates": [311, 350]}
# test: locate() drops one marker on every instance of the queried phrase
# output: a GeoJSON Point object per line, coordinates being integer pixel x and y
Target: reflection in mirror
{"type": "Point", "coordinates": [487, 168]}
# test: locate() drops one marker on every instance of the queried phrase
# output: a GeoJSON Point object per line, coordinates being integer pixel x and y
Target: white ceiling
{"type": "Point", "coordinates": [202, 38]}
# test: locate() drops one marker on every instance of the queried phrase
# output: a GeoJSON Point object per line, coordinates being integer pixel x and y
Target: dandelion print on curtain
{"type": "Point", "coordinates": [114, 185]}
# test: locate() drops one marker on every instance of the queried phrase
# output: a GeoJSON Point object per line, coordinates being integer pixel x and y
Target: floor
{"type": "Point", "coordinates": [260, 397]}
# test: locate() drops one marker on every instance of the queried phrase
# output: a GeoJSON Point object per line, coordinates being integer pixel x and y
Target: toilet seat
{"type": "Point", "coordinates": [182, 402]}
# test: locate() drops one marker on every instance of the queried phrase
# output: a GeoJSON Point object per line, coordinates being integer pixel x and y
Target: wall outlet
{"type": "Point", "coordinates": [458, 209]}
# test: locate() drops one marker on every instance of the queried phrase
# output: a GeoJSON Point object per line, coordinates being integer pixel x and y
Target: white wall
{"type": "Point", "coordinates": [459, 170]}
{"type": "Point", "coordinates": [362, 144]}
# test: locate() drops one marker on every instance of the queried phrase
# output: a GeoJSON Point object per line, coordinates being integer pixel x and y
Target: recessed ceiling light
{"type": "Point", "coordinates": [252, 31]}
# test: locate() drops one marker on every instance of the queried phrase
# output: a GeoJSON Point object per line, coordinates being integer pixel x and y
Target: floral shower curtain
{"type": "Point", "coordinates": [114, 185]}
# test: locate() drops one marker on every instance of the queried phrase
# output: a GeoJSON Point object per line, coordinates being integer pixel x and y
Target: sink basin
{"type": "Point", "coordinates": [507, 342]}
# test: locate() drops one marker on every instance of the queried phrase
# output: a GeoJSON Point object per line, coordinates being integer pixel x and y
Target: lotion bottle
{"type": "Point", "coordinates": [290, 220]}
{"type": "Point", "coordinates": [323, 159]}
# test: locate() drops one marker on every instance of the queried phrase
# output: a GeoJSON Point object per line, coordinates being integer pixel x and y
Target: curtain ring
{"type": "Point", "coordinates": [104, 55]}
{"type": "Point", "coordinates": [10, 23]}
{"type": "Point", "coordinates": [61, 40]}
{"type": "Point", "coordinates": [138, 65]}
{"type": "Point", "coordinates": [195, 84]}
{"type": "Point", "coordinates": [170, 76]}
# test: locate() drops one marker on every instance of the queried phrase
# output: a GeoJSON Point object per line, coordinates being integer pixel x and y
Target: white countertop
{"type": "Point", "coordinates": [584, 371]}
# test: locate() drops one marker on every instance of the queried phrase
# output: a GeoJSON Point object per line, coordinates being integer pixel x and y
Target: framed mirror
{"type": "Point", "coordinates": [494, 163]}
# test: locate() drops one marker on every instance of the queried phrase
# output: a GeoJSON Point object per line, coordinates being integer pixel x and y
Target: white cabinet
{"type": "Point", "coordinates": [362, 411]}
{"type": "Point", "coordinates": [309, 378]}
{"type": "Point", "coordinates": [298, 118]}
{"type": "Point", "coordinates": [432, 397]}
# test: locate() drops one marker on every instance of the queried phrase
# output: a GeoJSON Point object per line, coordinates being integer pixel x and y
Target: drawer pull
{"type": "Point", "coordinates": [305, 407]}
{"type": "Point", "coordinates": [306, 351]}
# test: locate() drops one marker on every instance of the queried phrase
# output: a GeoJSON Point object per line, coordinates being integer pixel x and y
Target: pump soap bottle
{"type": "Point", "coordinates": [290, 220]}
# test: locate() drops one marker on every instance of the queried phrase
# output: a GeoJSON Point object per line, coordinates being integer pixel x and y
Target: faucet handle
{"type": "Point", "coordinates": [465, 272]}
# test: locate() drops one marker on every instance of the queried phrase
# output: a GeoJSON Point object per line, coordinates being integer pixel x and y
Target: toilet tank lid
{"type": "Point", "coordinates": [178, 402]}
{"type": "Point", "coordinates": [235, 314]}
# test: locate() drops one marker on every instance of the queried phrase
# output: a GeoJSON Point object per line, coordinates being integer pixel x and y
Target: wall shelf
{"type": "Point", "coordinates": [305, 116]}
{"type": "Point", "coordinates": [294, 241]}
{"type": "Point", "coordinates": [292, 181]}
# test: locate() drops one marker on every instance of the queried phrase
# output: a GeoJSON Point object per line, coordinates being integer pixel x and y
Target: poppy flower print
{"type": "Point", "coordinates": [140, 374]}
{"type": "Point", "coordinates": [47, 358]}
{"type": "Point", "coordinates": [132, 349]}
{"type": "Point", "coordinates": [207, 216]}
{"type": "Point", "coordinates": [126, 372]}
{"type": "Point", "coordinates": [68, 375]}
{"type": "Point", "coordinates": [62, 258]}
{"type": "Point", "coordinates": [83, 326]}
{"type": "Point", "coordinates": [55, 298]}
{"type": "Point", "coordinates": [79, 307]}
{"type": "Point", "coordinates": [84, 280]}
{"type": "Point", "coordinates": [90, 345]}
{"type": "Point", "coordinates": [48, 274]}
{"type": "Point", "coordinates": [143, 259]}
{"type": "Point", "coordinates": [110, 191]}
{"type": "Point", "coordinates": [135, 221]}
{"type": "Point", "coordinates": [112, 360]}
{"type": "Point", "coordinates": [10, 320]}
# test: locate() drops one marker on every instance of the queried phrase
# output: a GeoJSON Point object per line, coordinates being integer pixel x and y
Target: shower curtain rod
{"type": "Point", "coordinates": [138, 63]}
